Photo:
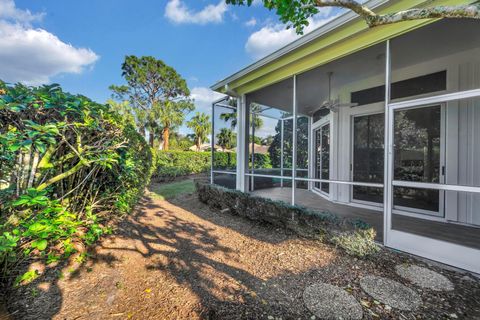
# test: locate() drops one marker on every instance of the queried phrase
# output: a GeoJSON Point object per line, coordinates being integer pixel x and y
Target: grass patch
{"type": "Point", "coordinates": [171, 190]}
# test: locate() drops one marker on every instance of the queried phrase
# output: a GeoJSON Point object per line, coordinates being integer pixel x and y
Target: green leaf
{"type": "Point", "coordinates": [40, 244]}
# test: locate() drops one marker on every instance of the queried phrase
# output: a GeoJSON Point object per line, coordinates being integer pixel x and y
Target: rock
{"type": "Point", "coordinates": [424, 277]}
{"type": "Point", "coordinates": [330, 302]}
{"type": "Point", "coordinates": [391, 293]}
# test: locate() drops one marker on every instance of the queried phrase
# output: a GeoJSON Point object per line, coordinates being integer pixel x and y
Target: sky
{"type": "Point", "coordinates": [82, 44]}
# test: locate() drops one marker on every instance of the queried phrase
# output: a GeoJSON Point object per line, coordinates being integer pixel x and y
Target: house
{"type": "Point", "coordinates": [386, 123]}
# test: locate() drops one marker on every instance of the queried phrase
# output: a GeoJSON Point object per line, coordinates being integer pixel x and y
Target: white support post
{"type": "Point", "coordinates": [212, 142]}
{"type": "Point", "coordinates": [311, 158]}
{"type": "Point", "coordinates": [388, 150]}
{"type": "Point", "coordinates": [281, 151]}
{"type": "Point", "coordinates": [241, 143]}
{"type": "Point", "coordinates": [294, 138]}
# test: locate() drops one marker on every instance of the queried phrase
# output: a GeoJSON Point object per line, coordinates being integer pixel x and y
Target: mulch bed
{"type": "Point", "coordinates": [181, 260]}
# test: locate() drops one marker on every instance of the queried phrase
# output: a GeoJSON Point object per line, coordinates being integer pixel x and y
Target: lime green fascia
{"type": "Point", "coordinates": [345, 40]}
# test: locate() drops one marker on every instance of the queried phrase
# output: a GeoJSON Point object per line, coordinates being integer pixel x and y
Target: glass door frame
{"type": "Point", "coordinates": [422, 213]}
{"type": "Point", "coordinates": [315, 127]}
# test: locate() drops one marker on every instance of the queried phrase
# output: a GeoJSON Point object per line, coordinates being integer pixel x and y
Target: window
{"type": "Point", "coordinates": [406, 88]}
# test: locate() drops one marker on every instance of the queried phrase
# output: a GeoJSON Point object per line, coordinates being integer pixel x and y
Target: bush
{"type": "Point", "coordinates": [356, 238]}
{"type": "Point", "coordinates": [360, 243]}
{"type": "Point", "coordinates": [68, 165]}
{"type": "Point", "coordinates": [171, 164]}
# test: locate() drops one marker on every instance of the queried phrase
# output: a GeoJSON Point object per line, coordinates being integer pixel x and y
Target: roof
{"type": "Point", "coordinates": [342, 36]}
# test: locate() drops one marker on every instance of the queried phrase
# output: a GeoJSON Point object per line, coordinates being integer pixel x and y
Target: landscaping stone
{"type": "Point", "coordinates": [391, 293]}
{"type": "Point", "coordinates": [330, 302]}
{"type": "Point", "coordinates": [424, 277]}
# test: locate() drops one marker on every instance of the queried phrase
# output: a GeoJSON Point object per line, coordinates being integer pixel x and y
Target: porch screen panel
{"type": "Point", "coordinates": [224, 147]}
{"type": "Point", "coordinates": [436, 149]}
{"type": "Point", "coordinates": [270, 138]}
{"type": "Point", "coordinates": [439, 148]}
{"type": "Point", "coordinates": [302, 151]}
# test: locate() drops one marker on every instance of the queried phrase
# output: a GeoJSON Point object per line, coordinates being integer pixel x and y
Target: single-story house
{"type": "Point", "coordinates": [378, 123]}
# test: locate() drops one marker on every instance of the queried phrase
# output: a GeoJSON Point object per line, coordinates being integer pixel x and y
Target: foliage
{"type": "Point", "coordinates": [159, 96]}
{"type": "Point", "coordinates": [255, 110]}
{"type": "Point", "coordinates": [325, 226]}
{"type": "Point", "coordinates": [171, 190]}
{"type": "Point", "coordinates": [201, 126]}
{"type": "Point", "coordinates": [171, 164]}
{"type": "Point", "coordinates": [68, 164]}
{"type": "Point", "coordinates": [359, 243]}
{"type": "Point", "coordinates": [226, 138]}
{"type": "Point", "coordinates": [179, 142]}
{"type": "Point", "coordinates": [296, 13]}
{"type": "Point", "coordinates": [302, 144]}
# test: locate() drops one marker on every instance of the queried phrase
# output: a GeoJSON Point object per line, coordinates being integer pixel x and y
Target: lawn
{"type": "Point", "coordinates": [167, 191]}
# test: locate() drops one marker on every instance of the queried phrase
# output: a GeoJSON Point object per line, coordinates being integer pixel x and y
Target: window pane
{"type": "Point", "coordinates": [368, 156]}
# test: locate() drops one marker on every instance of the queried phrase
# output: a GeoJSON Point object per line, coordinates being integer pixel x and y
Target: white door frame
{"type": "Point", "coordinates": [318, 125]}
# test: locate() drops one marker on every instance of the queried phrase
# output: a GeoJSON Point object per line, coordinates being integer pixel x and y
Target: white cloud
{"type": "Point", "coordinates": [9, 11]}
{"type": "Point", "coordinates": [204, 97]}
{"type": "Point", "coordinates": [33, 55]}
{"type": "Point", "coordinates": [251, 23]}
{"type": "Point", "coordinates": [176, 11]}
{"type": "Point", "coordinates": [274, 36]}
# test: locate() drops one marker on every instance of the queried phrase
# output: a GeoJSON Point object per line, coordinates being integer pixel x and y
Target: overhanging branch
{"type": "Point", "coordinates": [471, 11]}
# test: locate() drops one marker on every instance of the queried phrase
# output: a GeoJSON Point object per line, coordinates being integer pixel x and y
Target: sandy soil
{"type": "Point", "coordinates": [178, 259]}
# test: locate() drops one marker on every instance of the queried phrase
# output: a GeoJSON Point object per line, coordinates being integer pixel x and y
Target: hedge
{"type": "Point", "coordinates": [67, 166]}
{"type": "Point", "coordinates": [354, 236]}
{"type": "Point", "coordinates": [172, 164]}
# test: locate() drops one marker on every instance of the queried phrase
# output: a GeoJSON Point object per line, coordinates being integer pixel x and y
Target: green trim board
{"type": "Point", "coordinates": [339, 42]}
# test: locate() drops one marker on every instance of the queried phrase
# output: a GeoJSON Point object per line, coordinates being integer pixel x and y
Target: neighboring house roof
{"type": "Point", "coordinates": [340, 37]}
{"type": "Point", "coordinates": [259, 148]}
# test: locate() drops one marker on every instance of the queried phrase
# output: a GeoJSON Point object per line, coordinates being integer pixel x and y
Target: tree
{"type": "Point", "coordinates": [295, 13]}
{"type": "Point", "coordinates": [232, 117]}
{"type": "Point", "coordinates": [201, 126]}
{"type": "Point", "coordinates": [159, 96]}
{"type": "Point", "coordinates": [226, 138]}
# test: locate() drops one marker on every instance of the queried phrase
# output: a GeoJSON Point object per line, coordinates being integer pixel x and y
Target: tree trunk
{"type": "Point", "coordinates": [151, 138]}
{"type": "Point", "coordinates": [199, 144]}
{"type": "Point", "coordinates": [166, 135]}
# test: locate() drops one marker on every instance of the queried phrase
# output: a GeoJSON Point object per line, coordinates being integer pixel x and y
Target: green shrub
{"type": "Point", "coordinates": [360, 243]}
{"type": "Point", "coordinates": [171, 164]}
{"type": "Point", "coordinates": [325, 226]}
{"type": "Point", "coordinates": [67, 165]}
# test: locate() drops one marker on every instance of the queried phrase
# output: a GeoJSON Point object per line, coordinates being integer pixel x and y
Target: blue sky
{"type": "Point", "coordinates": [81, 44]}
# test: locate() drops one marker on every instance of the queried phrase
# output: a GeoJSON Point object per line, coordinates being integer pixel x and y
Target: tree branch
{"type": "Point", "coordinates": [356, 7]}
{"type": "Point", "coordinates": [464, 11]}
{"type": "Point", "coordinates": [471, 11]}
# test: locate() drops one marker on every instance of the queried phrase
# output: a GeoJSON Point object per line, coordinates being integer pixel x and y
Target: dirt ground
{"type": "Point", "coordinates": [178, 259]}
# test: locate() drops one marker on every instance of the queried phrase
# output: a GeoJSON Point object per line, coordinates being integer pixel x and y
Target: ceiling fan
{"type": "Point", "coordinates": [334, 104]}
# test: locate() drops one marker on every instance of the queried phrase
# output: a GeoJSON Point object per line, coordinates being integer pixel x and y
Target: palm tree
{"type": "Point", "coordinates": [170, 114]}
{"type": "Point", "coordinates": [201, 126]}
{"type": "Point", "coordinates": [226, 138]}
{"type": "Point", "coordinates": [231, 117]}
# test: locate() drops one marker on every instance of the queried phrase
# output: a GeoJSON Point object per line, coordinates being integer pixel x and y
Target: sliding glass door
{"type": "Point", "coordinates": [418, 148]}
